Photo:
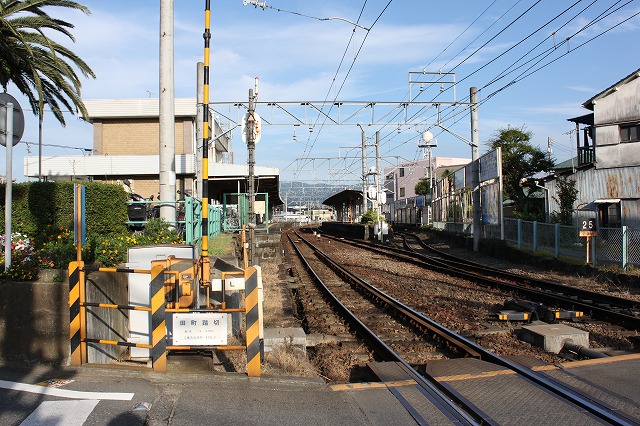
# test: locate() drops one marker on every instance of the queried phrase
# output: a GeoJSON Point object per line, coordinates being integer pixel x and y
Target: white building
{"type": "Point", "coordinates": [126, 147]}
{"type": "Point", "coordinates": [400, 181]}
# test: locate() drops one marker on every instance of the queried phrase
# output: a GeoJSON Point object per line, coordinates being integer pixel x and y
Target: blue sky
{"type": "Point", "coordinates": [297, 57]}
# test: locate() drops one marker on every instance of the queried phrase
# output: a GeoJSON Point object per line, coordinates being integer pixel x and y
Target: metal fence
{"type": "Point", "coordinates": [188, 221]}
{"type": "Point", "coordinates": [610, 246]}
{"type": "Point", "coordinates": [193, 221]}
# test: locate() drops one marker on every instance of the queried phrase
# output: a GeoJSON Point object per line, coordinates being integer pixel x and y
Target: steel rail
{"type": "Point", "coordinates": [468, 414]}
{"type": "Point", "coordinates": [567, 393]}
{"type": "Point", "coordinates": [620, 302]}
{"type": "Point", "coordinates": [614, 309]}
{"type": "Point", "coordinates": [460, 270]}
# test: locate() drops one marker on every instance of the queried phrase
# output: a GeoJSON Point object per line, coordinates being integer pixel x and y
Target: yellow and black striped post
{"type": "Point", "coordinates": [205, 271]}
{"type": "Point", "coordinates": [253, 321]}
{"type": "Point", "coordinates": [77, 328]}
{"type": "Point", "coordinates": [158, 320]}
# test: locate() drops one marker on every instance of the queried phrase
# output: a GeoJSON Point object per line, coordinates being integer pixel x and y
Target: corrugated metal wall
{"type": "Point", "coordinates": [594, 184]}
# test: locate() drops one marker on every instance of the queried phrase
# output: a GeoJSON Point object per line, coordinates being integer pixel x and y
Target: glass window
{"type": "Point", "coordinates": [402, 192]}
{"type": "Point", "coordinates": [401, 171]}
{"type": "Point", "coordinates": [630, 133]}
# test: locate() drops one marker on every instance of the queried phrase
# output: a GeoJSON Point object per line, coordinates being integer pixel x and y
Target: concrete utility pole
{"type": "Point", "coordinates": [40, 119]}
{"type": "Point", "coordinates": [251, 145]}
{"type": "Point", "coordinates": [199, 129]}
{"type": "Point", "coordinates": [364, 171]}
{"type": "Point", "coordinates": [167, 142]}
{"type": "Point", "coordinates": [378, 176]}
{"type": "Point", "coordinates": [475, 169]}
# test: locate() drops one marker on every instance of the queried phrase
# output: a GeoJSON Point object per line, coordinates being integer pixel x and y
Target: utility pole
{"type": "Point", "coordinates": [364, 171]}
{"type": "Point", "coordinates": [475, 169]}
{"type": "Point", "coordinates": [378, 175]}
{"type": "Point", "coordinates": [167, 142]}
{"type": "Point", "coordinates": [40, 119]}
{"type": "Point", "coordinates": [251, 146]}
{"type": "Point", "coordinates": [197, 193]}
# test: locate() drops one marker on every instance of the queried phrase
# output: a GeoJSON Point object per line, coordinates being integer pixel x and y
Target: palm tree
{"type": "Point", "coordinates": [41, 69]}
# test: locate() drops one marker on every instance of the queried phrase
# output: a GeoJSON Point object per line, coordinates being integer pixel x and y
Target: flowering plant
{"type": "Point", "coordinates": [55, 248]}
{"type": "Point", "coordinates": [24, 265]}
{"type": "Point", "coordinates": [112, 250]}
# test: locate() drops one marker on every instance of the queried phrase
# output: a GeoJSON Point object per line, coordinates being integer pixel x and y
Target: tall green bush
{"type": "Point", "coordinates": [39, 206]}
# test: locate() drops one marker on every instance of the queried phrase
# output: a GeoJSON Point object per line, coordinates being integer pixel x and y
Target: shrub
{"type": "Point", "coordinates": [112, 249]}
{"type": "Point", "coordinates": [43, 216]}
{"type": "Point", "coordinates": [157, 231]}
{"type": "Point", "coordinates": [36, 206]}
{"type": "Point", "coordinates": [55, 248]}
{"type": "Point", "coordinates": [371, 217]}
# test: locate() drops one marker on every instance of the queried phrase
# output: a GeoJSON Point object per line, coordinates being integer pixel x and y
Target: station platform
{"type": "Point", "coordinates": [186, 398]}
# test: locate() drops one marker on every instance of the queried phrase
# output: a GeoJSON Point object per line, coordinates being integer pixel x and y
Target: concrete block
{"type": "Point", "coordinates": [551, 337]}
{"type": "Point", "coordinates": [294, 336]}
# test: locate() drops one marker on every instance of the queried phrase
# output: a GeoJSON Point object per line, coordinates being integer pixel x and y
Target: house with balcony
{"type": "Point", "coordinates": [607, 166]}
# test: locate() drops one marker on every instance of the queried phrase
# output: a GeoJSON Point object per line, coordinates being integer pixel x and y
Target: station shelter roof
{"type": "Point", "coordinates": [341, 198]}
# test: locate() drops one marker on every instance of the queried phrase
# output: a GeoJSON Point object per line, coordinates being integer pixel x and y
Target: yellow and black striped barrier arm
{"type": "Point", "coordinates": [113, 270]}
{"type": "Point", "coordinates": [253, 322]}
{"type": "Point", "coordinates": [158, 321]}
{"type": "Point", "coordinates": [118, 343]}
{"type": "Point", "coordinates": [77, 330]}
{"type": "Point", "coordinates": [114, 306]}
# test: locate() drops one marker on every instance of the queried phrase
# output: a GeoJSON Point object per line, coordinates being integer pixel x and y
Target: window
{"type": "Point", "coordinates": [630, 133]}
{"type": "Point", "coordinates": [401, 171]}
{"type": "Point", "coordinates": [401, 192]}
{"type": "Point", "coordinates": [609, 215]}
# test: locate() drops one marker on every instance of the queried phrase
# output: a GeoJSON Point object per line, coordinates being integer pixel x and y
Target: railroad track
{"type": "Point", "coordinates": [368, 310]}
{"type": "Point", "coordinates": [621, 311]}
{"type": "Point", "coordinates": [372, 325]}
{"type": "Point", "coordinates": [612, 309]}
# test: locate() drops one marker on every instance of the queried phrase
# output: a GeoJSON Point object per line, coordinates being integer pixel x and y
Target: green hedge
{"type": "Point", "coordinates": [38, 206]}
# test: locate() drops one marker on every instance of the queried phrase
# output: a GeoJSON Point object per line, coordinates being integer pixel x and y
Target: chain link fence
{"type": "Point", "coordinates": [613, 246]}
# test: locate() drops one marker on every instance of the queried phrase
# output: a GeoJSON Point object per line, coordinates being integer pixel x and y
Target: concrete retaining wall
{"type": "Point", "coordinates": [347, 230]}
{"type": "Point", "coordinates": [34, 318]}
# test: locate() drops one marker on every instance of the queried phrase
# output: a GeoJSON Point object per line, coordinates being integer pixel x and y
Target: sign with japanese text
{"type": "Point", "coordinates": [199, 329]}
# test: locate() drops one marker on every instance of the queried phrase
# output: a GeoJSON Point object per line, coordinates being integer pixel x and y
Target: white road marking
{"type": "Point", "coordinates": [67, 413]}
{"type": "Point", "coordinates": [65, 393]}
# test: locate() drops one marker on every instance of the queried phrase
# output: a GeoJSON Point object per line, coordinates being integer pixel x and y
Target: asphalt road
{"type": "Point", "coordinates": [99, 395]}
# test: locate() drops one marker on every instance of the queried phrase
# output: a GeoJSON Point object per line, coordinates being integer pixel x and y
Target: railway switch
{"type": "Point", "coordinates": [513, 316]}
{"type": "Point", "coordinates": [525, 310]}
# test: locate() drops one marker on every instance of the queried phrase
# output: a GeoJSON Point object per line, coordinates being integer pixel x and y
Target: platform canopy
{"type": "Point", "coordinates": [347, 203]}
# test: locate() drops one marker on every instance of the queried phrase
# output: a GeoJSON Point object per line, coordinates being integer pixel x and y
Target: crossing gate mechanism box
{"type": "Point", "coordinates": [140, 257]}
{"type": "Point", "coordinates": [199, 329]}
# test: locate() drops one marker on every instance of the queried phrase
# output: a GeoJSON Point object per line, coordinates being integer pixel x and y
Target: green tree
{"type": "Point", "coordinates": [423, 187]}
{"type": "Point", "coordinates": [567, 194]}
{"type": "Point", "coordinates": [40, 68]}
{"type": "Point", "coordinates": [520, 160]}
